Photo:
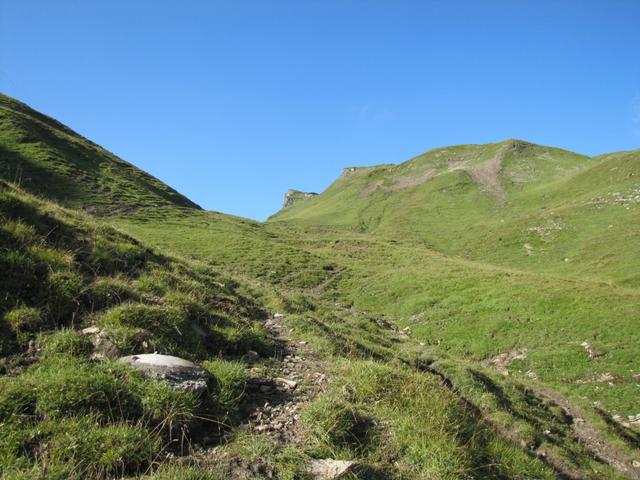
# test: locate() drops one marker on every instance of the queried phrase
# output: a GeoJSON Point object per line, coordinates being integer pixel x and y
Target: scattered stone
{"type": "Point", "coordinates": [501, 361]}
{"type": "Point", "coordinates": [250, 357]}
{"type": "Point", "coordinates": [528, 249]}
{"type": "Point", "coordinates": [179, 373]}
{"type": "Point", "coordinates": [303, 342]}
{"type": "Point", "coordinates": [592, 353]}
{"type": "Point", "coordinates": [103, 347]}
{"type": "Point", "coordinates": [290, 384]}
{"type": "Point", "coordinates": [532, 375]}
{"type": "Point", "coordinates": [90, 330]}
{"type": "Point", "coordinates": [329, 469]}
{"type": "Point", "coordinates": [278, 315]}
{"type": "Point", "coordinates": [603, 377]}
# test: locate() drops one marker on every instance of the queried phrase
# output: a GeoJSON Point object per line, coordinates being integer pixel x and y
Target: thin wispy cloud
{"type": "Point", "coordinates": [371, 113]}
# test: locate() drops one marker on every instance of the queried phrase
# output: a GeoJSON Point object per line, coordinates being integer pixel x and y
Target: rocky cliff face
{"type": "Point", "coordinates": [293, 196]}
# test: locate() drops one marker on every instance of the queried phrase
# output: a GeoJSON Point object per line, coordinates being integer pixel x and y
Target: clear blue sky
{"type": "Point", "coordinates": [233, 102]}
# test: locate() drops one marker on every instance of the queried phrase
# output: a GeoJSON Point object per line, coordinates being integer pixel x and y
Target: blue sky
{"type": "Point", "coordinates": [233, 102]}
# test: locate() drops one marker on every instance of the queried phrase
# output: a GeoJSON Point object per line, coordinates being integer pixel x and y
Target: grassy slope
{"type": "Point", "coordinates": [407, 252]}
{"type": "Point", "coordinates": [71, 417]}
{"type": "Point", "coordinates": [50, 159]}
{"type": "Point", "coordinates": [561, 205]}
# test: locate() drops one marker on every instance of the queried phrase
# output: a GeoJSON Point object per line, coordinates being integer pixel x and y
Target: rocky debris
{"type": "Point", "coordinates": [592, 353]}
{"type": "Point", "coordinates": [251, 357]}
{"type": "Point", "coordinates": [626, 199]}
{"type": "Point", "coordinates": [531, 375]}
{"type": "Point", "coordinates": [544, 231]}
{"type": "Point", "coordinates": [329, 469]}
{"type": "Point", "coordinates": [501, 361]}
{"type": "Point", "coordinates": [292, 196]}
{"type": "Point", "coordinates": [528, 248]}
{"type": "Point", "coordinates": [631, 421]}
{"type": "Point", "coordinates": [273, 404]}
{"type": "Point", "coordinates": [179, 373]}
{"type": "Point", "coordinates": [603, 377]}
{"type": "Point", "coordinates": [103, 346]}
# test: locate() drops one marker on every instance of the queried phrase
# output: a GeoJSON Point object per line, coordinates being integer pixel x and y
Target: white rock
{"type": "Point", "coordinates": [179, 373]}
{"type": "Point", "coordinates": [329, 469]}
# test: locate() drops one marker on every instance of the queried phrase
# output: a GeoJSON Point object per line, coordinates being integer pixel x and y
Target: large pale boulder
{"type": "Point", "coordinates": [179, 373]}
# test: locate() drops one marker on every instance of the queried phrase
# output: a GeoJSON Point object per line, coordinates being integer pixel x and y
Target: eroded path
{"type": "Point", "coordinates": [273, 402]}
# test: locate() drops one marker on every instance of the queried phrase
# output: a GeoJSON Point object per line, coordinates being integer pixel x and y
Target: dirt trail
{"type": "Point", "coordinates": [276, 393]}
{"type": "Point", "coordinates": [273, 403]}
{"type": "Point", "coordinates": [591, 438]}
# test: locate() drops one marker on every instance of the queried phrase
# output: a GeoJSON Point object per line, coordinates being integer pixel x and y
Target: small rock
{"type": "Point", "coordinates": [329, 469]}
{"type": "Point", "coordinates": [250, 357]}
{"type": "Point", "coordinates": [103, 346]}
{"type": "Point", "coordinates": [266, 388]}
{"type": "Point", "coordinates": [303, 342]}
{"type": "Point", "coordinates": [90, 330]}
{"type": "Point", "coordinates": [278, 315]}
{"type": "Point", "coordinates": [290, 384]}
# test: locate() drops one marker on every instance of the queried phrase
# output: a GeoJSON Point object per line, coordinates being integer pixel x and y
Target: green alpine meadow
{"type": "Point", "coordinates": [470, 313]}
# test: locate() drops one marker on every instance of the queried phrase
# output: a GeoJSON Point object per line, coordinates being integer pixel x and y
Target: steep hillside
{"type": "Point", "coordinates": [48, 158]}
{"type": "Point", "coordinates": [76, 295]}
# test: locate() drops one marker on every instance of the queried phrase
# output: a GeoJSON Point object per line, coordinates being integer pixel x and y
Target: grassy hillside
{"type": "Point", "coordinates": [450, 304]}
{"type": "Point", "coordinates": [48, 158]}
{"type": "Point", "coordinates": [515, 204]}
{"type": "Point", "coordinates": [62, 411]}
{"type": "Point", "coordinates": [68, 410]}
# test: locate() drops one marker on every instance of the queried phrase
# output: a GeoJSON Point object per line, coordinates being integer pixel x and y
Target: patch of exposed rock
{"type": "Point", "coordinates": [501, 361]}
{"type": "Point", "coordinates": [293, 196]}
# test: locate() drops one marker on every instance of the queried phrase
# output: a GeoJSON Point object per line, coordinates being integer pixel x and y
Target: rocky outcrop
{"type": "Point", "coordinates": [179, 373]}
{"type": "Point", "coordinates": [292, 196]}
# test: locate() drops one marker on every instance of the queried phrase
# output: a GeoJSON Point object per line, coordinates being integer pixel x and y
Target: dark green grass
{"type": "Point", "coordinates": [47, 158]}
{"type": "Point", "coordinates": [70, 417]}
